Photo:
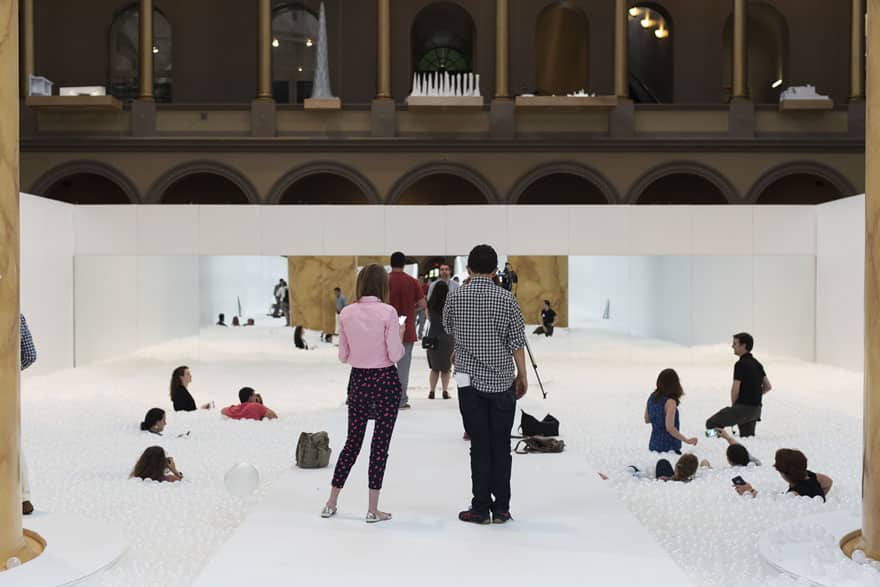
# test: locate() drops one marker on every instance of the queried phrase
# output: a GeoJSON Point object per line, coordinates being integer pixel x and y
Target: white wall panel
{"type": "Point", "coordinates": [721, 298]}
{"type": "Point", "coordinates": [352, 230]}
{"type": "Point", "coordinates": [166, 230]}
{"type": "Point", "coordinates": [785, 230]}
{"type": "Point", "coordinates": [167, 299]}
{"type": "Point", "coordinates": [785, 305]}
{"type": "Point", "coordinates": [537, 230]}
{"type": "Point", "coordinates": [230, 230]}
{"type": "Point", "coordinates": [599, 230]}
{"type": "Point", "coordinates": [467, 226]}
{"type": "Point", "coordinates": [415, 230]}
{"type": "Point", "coordinates": [101, 230]}
{"type": "Point", "coordinates": [105, 306]}
{"type": "Point", "coordinates": [292, 230]}
{"type": "Point", "coordinates": [661, 230]}
{"type": "Point", "coordinates": [723, 230]}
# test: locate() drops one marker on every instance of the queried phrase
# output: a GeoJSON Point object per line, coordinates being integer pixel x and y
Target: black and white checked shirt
{"type": "Point", "coordinates": [487, 325]}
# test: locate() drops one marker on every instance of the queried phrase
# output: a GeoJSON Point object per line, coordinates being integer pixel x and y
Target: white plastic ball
{"type": "Point", "coordinates": [242, 480]}
{"type": "Point", "coordinates": [859, 556]}
{"type": "Point", "coordinates": [13, 562]}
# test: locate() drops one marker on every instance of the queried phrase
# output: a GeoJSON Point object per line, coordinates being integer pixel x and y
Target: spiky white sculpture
{"type": "Point", "coordinates": [321, 85]}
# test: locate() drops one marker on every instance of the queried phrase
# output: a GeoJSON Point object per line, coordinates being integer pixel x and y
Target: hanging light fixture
{"type": "Point", "coordinates": [776, 84]}
{"type": "Point", "coordinates": [275, 42]}
{"type": "Point", "coordinates": [635, 11]}
{"type": "Point", "coordinates": [300, 68]}
{"type": "Point", "coordinates": [155, 49]}
{"type": "Point", "coordinates": [308, 42]}
{"type": "Point", "coordinates": [648, 22]}
{"type": "Point", "coordinates": [662, 32]}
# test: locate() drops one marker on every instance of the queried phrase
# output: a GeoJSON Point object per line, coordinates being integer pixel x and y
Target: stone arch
{"type": "Point", "coordinates": [458, 170]}
{"type": "Point", "coordinates": [175, 174]}
{"type": "Point", "coordinates": [562, 49]}
{"type": "Point", "coordinates": [841, 184]}
{"type": "Point", "coordinates": [323, 168]}
{"type": "Point", "coordinates": [710, 175]}
{"type": "Point", "coordinates": [443, 37]}
{"type": "Point", "coordinates": [58, 173]}
{"type": "Point", "coordinates": [585, 172]}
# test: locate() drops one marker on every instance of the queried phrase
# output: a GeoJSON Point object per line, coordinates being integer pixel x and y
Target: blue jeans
{"type": "Point", "coordinates": [488, 420]}
{"type": "Point", "coordinates": [403, 371]}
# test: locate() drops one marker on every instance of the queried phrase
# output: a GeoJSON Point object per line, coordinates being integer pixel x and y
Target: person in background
{"type": "Point", "coordinates": [792, 466]}
{"type": "Point", "coordinates": [662, 414]}
{"type": "Point", "coordinates": [490, 370]}
{"type": "Point", "coordinates": [548, 318]}
{"type": "Point", "coordinates": [421, 315]}
{"type": "Point", "coordinates": [439, 357]}
{"type": "Point", "coordinates": [154, 465]}
{"type": "Point", "coordinates": [750, 383]}
{"type": "Point", "coordinates": [298, 341]}
{"type": "Point", "coordinates": [180, 396]}
{"type": "Point", "coordinates": [27, 357]}
{"type": "Point", "coordinates": [685, 469]}
{"type": "Point", "coordinates": [445, 277]}
{"type": "Point", "coordinates": [236, 321]}
{"type": "Point", "coordinates": [509, 279]}
{"type": "Point", "coordinates": [341, 302]}
{"type": "Point", "coordinates": [278, 293]}
{"type": "Point", "coordinates": [406, 297]}
{"type": "Point", "coordinates": [221, 320]}
{"type": "Point", "coordinates": [250, 408]}
{"type": "Point", "coordinates": [154, 421]}
{"type": "Point", "coordinates": [250, 322]}
{"type": "Point", "coordinates": [370, 341]}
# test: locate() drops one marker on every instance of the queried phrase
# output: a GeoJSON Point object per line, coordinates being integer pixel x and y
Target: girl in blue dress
{"type": "Point", "coordinates": [662, 414]}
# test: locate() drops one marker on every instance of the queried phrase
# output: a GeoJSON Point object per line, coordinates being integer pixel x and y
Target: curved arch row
{"type": "Point", "coordinates": [193, 182]}
{"type": "Point", "coordinates": [47, 184]}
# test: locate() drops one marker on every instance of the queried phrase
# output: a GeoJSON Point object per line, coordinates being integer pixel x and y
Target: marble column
{"type": "Point", "coordinates": [264, 39]}
{"type": "Point", "coordinates": [740, 49]}
{"type": "Point", "coordinates": [145, 53]}
{"type": "Point", "coordinates": [502, 41]}
{"type": "Point", "coordinates": [871, 472]}
{"type": "Point", "coordinates": [857, 51]}
{"type": "Point", "coordinates": [541, 278]}
{"type": "Point", "coordinates": [27, 45]}
{"type": "Point", "coordinates": [11, 537]}
{"type": "Point", "coordinates": [383, 67]}
{"type": "Point", "coordinates": [621, 49]}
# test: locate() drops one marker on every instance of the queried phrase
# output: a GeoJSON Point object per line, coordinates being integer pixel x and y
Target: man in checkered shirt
{"type": "Point", "coordinates": [28, 357]}
{"type": "Point", "coordinates": [489, 333]}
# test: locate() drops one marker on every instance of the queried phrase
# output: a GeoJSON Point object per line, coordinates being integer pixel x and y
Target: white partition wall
{"type": "Point", "coordinates": [840, 283]}
{"type": "Point", "coordinates": [47, 248]}
{"type": "Point", "coordinates": [693, 274]}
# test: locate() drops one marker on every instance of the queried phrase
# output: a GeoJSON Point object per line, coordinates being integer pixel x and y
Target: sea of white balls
{"type": "Point", "coordinates": [81, 438]}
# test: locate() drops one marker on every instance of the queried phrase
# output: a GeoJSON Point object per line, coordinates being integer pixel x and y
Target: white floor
{"type": "Point", "coordinates": [81, 438]}
{"type": "Point", "coordinates": [569, 527]}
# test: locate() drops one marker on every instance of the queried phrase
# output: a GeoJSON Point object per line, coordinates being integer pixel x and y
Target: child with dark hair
{"type": "Point", "coordinates": [792, 466]}
{"type": "Point", "coordinates": [153, 464]}
{"type": "Point", "coordinates": [154, 421]}
{"type": "Point", "coordinates": [662, 414]}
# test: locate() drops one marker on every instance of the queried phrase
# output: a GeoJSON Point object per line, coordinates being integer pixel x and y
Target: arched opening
{"type": "Point", "coordinates": [125, 55]}
{"type": "Point", "coordinates": [86, 188]}
{"type": "Point", "coordinates": [443, 39]}
{"type": "Point", "coordinates": [562, 47]}
{"type": "Point", "coordinates": [800, 188]}
{"type": "Point", "coordinates": [442, 189]}
{"type": "Point", "coordinates": [205, 189]}
{"type": "Point", "coordinates": [650, 35]}
{"type": "Point", "coordinates": [565, 189]}
{"type": "Point", "coordinates": [294, 41]}
{"type": "Point", "coordinates": [322, 189]}
{"type": "Point", "coordinates": [768, 54]}
{"type": "Point", "coordinates": [682, 189]}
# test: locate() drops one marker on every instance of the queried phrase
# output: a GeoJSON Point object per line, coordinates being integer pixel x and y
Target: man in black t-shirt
{"type": "Point", "coordinates": [750, 383]}
{"type": "Point", "coordinates": [548, 317]}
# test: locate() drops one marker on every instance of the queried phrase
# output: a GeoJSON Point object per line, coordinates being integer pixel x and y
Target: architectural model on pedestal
{"type": "Point", "coordinates": [322, 96]}
{"type": "Point", "coordinates": [445, 84]}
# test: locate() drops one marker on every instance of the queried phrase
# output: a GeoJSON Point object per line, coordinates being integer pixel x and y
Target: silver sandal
{"type": "Point", "coordinates": [374, 519]}
{"type": "Point", "coordinates": [328, 512]}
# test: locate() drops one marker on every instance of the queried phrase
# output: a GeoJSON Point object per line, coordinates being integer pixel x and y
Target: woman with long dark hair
{"type": "Point", "coordinates": [180, 396]}
{"type": "Point", "coordinates": [370, 340]}
{"type": "Point", "coordinates": [154, 421]}
{"type": "Point", "coordinates": [154, 465]}
{"type": "Point", "coordinates": [440, 344]}
{"type": "Point", "coordinates": [662, 414]}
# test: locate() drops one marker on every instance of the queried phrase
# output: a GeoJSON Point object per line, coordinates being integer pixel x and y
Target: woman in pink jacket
{"type": "Point", "coordinates": [369, 341]}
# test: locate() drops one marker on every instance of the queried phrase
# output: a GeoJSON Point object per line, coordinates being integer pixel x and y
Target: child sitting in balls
{"type": "Point", "coordinates": [154, 465]}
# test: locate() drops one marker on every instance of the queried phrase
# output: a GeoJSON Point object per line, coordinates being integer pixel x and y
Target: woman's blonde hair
{"type": "Point", "coordinates": [372, 281]}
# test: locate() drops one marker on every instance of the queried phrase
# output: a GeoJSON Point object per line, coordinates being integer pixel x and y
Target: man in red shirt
{"type": "Point", "coordinates": [405, 294]}
{"type": "Point", "coordinates": [250, 408]}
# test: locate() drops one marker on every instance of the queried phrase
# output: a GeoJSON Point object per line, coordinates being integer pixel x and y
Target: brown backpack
{"type": "Point", "coordinates": [313, 450]}
{"type": "Point", "coordinates": [539, 444]}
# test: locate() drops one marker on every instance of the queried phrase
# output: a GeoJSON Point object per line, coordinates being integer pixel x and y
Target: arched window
{"type": "Point", "coordinates": [442, 39]}
{"type": "Point", "coordinates": [294, 42]}
{"type": "Point", "coordinates": [125, 57]}
{"type": "Point", "coordinates": [562, 47]}
{"type": "Point", "coordinates": [650, 54]}
{"type": "Point", "coordinates": [768, 54]}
